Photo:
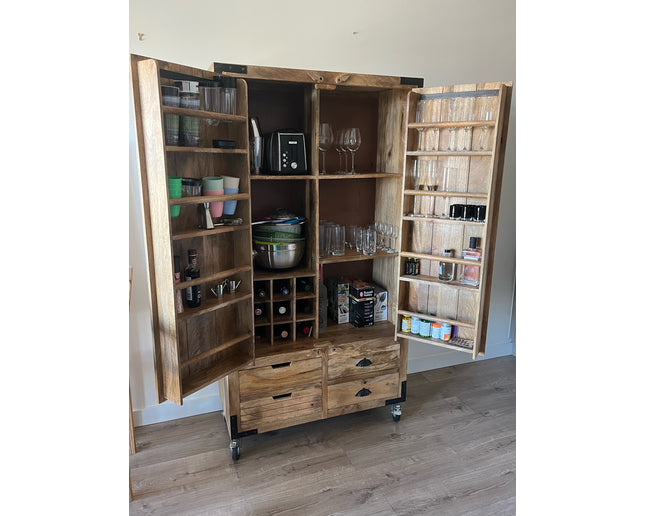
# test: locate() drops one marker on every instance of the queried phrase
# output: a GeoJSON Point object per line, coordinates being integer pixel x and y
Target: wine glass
{"type": "Point", "coordinates": [395, 234]}
{"type": "Point", "coordinates": [352, 143]}
{"type": "Point", "coordinates": [485, 114]}
{"type": "Point", "coordinates": [422, 109]}
{"type": "Point", "coordinates": [435, 116]}
{"type": "Point", "coordinates": [325, 140]}
{"type": "Point", "coordinates": [468, 115]}
{"type": "Point", "coordinates": [452, 117]}
{"type": "Point", "coordinates": [415, 175]}
{"type": "Point", "coordinates": [389, 233]}
{"type": "Point", "coordinates": [339, 146]}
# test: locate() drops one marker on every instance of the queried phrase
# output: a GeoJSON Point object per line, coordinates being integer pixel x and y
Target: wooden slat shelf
{"type": "Point", "coordinates": [435, 342]}
{"type": "Point", "coordinates": [421, 278]}
{"type": "Point", "coordinates": [200, 199]}
{"type": "Point", "coordinates": [212, 277]}
{"type": "Point", "coordinates": [216, 349]}
{"type": "Point", "coordinates": [454, 322]}
{"type": "Point", "coordinates": [305, 317]}
{"type": "Point", "coordinates": [448, 153]}
{"type": "Point", "coordinates": [448, 125]}
{"type": "Point", "coordinates": [211, 304]}
{"type": "Point", "coordinates": [206, 150]}
{"type": "Point", "coordinates": [282, 319]}
{"type": "Point", "coordinates": [266, 177]}
{"type": "Point", "coordinates": [204, 232]}
{"type": "Point", "coordinates": [447, 259]}
{"type": "Point", "coordinates": [439, 220]}
{"type": "Point", "coordinates": [195, 382]}
{"type": "Point", "coordinates": [305, 295]}
{"type": "Point", "coordinates": [429, 193]}
{"type": "Point", "coordinates": [353, 256]}
{"type": "Point", "coordinates": [360, 175]}
{"type": "Point", "coordinates": [201, 113]}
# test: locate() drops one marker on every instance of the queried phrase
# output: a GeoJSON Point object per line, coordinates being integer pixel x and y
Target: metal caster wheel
{"type": "Point", "coordinates": [396, 412]}
{"type": "Point", "coordinates": [235, 449]}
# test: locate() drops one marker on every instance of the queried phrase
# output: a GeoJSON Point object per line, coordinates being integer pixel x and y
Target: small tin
{"type": "Point", "coordinates": [446, 330]}
{"type": "Point", "coordinates": [414, 328]}
{"type": "Point", "coordinates": [406, 324]}
{"type": "Point", "coordinates": [424, 328]}
{"type": "Point", "coordinates": [436, 330]}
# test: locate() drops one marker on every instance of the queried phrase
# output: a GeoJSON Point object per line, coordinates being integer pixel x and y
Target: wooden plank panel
{"type": "Point", "coordinates": [270, 381]}
{"type": "Point", "coordinates": [380, 387]}
{"type": "Point", "coordinates": [345, 366]}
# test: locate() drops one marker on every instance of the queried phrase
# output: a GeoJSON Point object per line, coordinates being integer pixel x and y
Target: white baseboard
{"type": "Point", "coordinates": [168, 410]}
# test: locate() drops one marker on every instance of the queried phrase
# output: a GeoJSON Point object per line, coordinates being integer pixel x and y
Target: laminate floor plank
{"type": "Point", "coordinates": [452, 452]}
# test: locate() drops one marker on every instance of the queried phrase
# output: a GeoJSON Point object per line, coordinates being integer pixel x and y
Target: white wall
{"type": "Point", "coordinates": [445, 42]}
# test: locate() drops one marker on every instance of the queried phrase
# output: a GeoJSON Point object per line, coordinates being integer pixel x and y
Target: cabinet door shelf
{"type": "Point", "coordinates": [200, 113]}
{"type": "Point", "coordinates": [447, 259]}
{"type": "Point", "coordinates": [449, 153]}
{"type": "Point", "coordinates": [207, 232]}
{"type": "Point", "coordinates": [199, 199]}
{"type": "Point", "coordinates": [216, 349]}
{"type": "Point", "coordinates": [211, 304]}
{"type": "Point", "coordinates": [424, 279]}
{"type": "Point", "coordinates": [454, 322]}
{"type": "Point", "coordinates": [436, 342]}
{"type": "Point", "coordinates": [448, 125]}
{"type": "Point", "coordinates": [193, 383]}
{"type": "Point", "coordinates": [212, 277]}
{"type": "Point", "coordinates": [354, 256]}
{"type": "Point", "coordinates": [467, 195]}
{"type": "Point", "coordinates": [439, 220]}
{"type": "Point", "coordinates": [206, 150]}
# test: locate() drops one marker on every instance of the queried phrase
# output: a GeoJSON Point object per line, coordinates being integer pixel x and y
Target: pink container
{"type": "Point", "coordinates": [216, 208]}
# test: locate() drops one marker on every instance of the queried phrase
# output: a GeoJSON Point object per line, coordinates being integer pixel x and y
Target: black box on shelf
{"type": "Point", "coordinates": [361, 289]}
{"type": "Point", "coordinates": [361, 308]}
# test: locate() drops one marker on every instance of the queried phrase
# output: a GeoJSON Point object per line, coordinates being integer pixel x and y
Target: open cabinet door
{"type": "Point", "coordinates": [194, 345]}
{"type": "Point", "coordinates": [455, 144]}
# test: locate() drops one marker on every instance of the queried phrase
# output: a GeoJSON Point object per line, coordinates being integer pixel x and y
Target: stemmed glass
{"type": "Point", "coordinates": [468, 115]}
{"type": "Point", "coordinates": [352, 143]}
{"type": "Point", "coordinates": [339, 146]}
{"type": "Point", "coordinates": [422, 118]}
{"type": "Point", "coordinates": [416, 181]}
{"type": "Point", "coordinates": [394, 233]}
{"type": "Point", "coordinates": [435, 116]}
{"type": "Point", "coordinates": [452, 117]}
{"type": "Point", "coordinates": [325, 140]}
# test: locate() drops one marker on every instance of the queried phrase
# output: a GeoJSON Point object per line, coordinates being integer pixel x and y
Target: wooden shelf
{"type": "Point", "coordinates": [439, 220]}
{"type": "Point", "coordinates": [353, 256]}
{"type": "Point", "coordinates": [448, 125]}
{"type": "Point", "coordinates": [435, 281]}
{"type": "Point", "coordinates": [211, 304]}
{"type": "Point", "coordinates": [305, 317]}
{"type": "Point", "coordinates": [200, 199]}
{"type": "Point", "coordinates": [300, 272]}
{"type": "Point", "coordinates": [201, 113]}
{"type": "Point", "coordinates": [212, 277]}
{"type": "Point", "coordinates": [193, 383]}
{"type": "Point", "coordinates": [429, 193]}
{"type": "Point", "coordinates": [448, 259]}
{"type": "Point", "coordinates": [454, 322]}
{"type": "Point", "coordinates": [206, 150]}
{"type": "Point", "coordinates": [448, 153]}
{"type": "Point", "coordinates": [266, 177]}
{"type": "Point", "coordinates": [435, 342]}
{"type": "Point", "coordinates": [216, 349]}
{"type": "Point", "coordinates": [207, 232]}
{"type": "Point", "coordinates": [363, 175]}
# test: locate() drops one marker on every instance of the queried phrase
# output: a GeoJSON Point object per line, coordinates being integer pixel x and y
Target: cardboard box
{"type": "Point", "coordinates": [360, 289]}
{"type": "Point", "coordinates": [361, 307]}
{"type": "Point", "coordinates": [338, 292]}
{"type": "Point", "coordinates": [380, 303]}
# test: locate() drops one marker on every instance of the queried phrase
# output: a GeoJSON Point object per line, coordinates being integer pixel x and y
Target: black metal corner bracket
{"type": "Point", "coordinates": [237, 435]}
{"type": "Point", "coordinates": [412, 81]}
{"type": "Point", "coordinates": [231, 68]}
{"type": "Point", "coordinates": [403, 394]}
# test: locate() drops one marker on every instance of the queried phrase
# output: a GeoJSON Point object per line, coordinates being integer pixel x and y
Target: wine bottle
{"type": "Point", "coordinates": [284, 290]}
{"type": "Point", "coordinates": [258, 311]}
{"type": "Point", "coordinates": [281, 309]}
{"type": "Point", "coordinates": [193, 293]}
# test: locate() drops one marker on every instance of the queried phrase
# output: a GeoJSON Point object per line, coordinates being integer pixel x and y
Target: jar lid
{"type": "Point", "coordinates": [436, 325]}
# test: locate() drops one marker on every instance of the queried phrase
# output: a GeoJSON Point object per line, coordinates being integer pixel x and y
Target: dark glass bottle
{"type": "Point", "coordinates": [258, 311]}
{"type": "Point", "coordinates": [260, 293]}
{"type": "Point", "coordinates": [284, 290]}
{"type": "Point", "coordinates": [194, 293]}
{"type": "Point", "coordinates": [282, 309]}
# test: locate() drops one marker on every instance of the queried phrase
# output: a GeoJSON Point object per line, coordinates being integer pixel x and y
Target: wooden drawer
{"type": "Point", "coordinates": [350, 362]}
{"type": "Point", "coordinates": [361, 391]}
{"type": "Point", "coordinates": [282, 409]}
{"type": "Point", "coordinates": [278, 379]}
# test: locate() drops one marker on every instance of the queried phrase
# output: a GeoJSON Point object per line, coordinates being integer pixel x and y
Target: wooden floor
{"type": "Point", "coordinates": [453, 452]}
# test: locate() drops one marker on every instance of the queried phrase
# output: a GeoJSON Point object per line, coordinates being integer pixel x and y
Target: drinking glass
{"type": "Point", "coordinates": [422, 117]}
{"type": "Point", "coordinates": [435, 116]}
{"type": "Point", "coordinates": [325, 140]}
{"type": "Point", "coordinates": [338, 240]}
{"type": "Point", "coordinates": [359, 239]}
{"type": "Point", "coordinates": [452, 117]}
{"type": "Point", "coordinates": [350, 233]}
{"type": "Point", "coordinates": [468, 116]}
{"type": "Point", "coordinates": [394, 233]}
{"type": "Point", "coordinates": [416, 180]}
{"type": "Point", "coordinates": [369, 241]}
{"type": "Point", "coordinates": [486, 110]}
{"type": "Point", "coordinates": [339, 146]}
{"type": "Point", "coordinates": [352, 143]}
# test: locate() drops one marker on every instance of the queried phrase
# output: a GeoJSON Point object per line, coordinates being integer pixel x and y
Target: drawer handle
{"type": "Point", "coordinates": [282, 396]}
{"type": "Point", "coordinates": [283, 364]}
{"type": "Point", "coordinates": [363, 392]}
{"type": "Point", "coordinates": [364, 363]}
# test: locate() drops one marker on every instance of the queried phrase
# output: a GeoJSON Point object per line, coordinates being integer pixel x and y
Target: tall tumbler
{"type": "Point", "coordinates": [338, 240]}
{"type": "Point", "coordinates": [369, 241]}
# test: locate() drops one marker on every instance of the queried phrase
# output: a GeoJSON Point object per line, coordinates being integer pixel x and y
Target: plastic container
{"type": "Point", "coordinates": [436, 330]}
{"type": "Point", "coordinates": [170, 96]}
{"type": "Point", "coordinates": [190, 187]}
{"type": "Point", "coordinates": [424, 328]}
{"type": "Point", "coordinates": [446, 331]}
{"type": "Point", "coordinates": [406, 324]}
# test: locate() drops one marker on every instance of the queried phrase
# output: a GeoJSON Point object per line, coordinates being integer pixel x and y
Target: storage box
{"type": "Point", "coordinates": [380, 303]}
{"type": "Point", "coordinates": [361, 307]}
{"type": "Point", "coordinates": [338, 291]}
{"type": "Point", "coordinates": [360, 289]}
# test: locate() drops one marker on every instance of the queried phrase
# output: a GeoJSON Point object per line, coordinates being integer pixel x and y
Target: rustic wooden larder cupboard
{"type": "Point", "coordinates": [268, 382]}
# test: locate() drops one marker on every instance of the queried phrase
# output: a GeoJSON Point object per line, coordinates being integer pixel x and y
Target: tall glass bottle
{"type": "Point", "coordinates": [194, 293]}
{"type": "Point", "coordinates": [447, 269]}
{"type": "Point", "coordinates": [470, 273]}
